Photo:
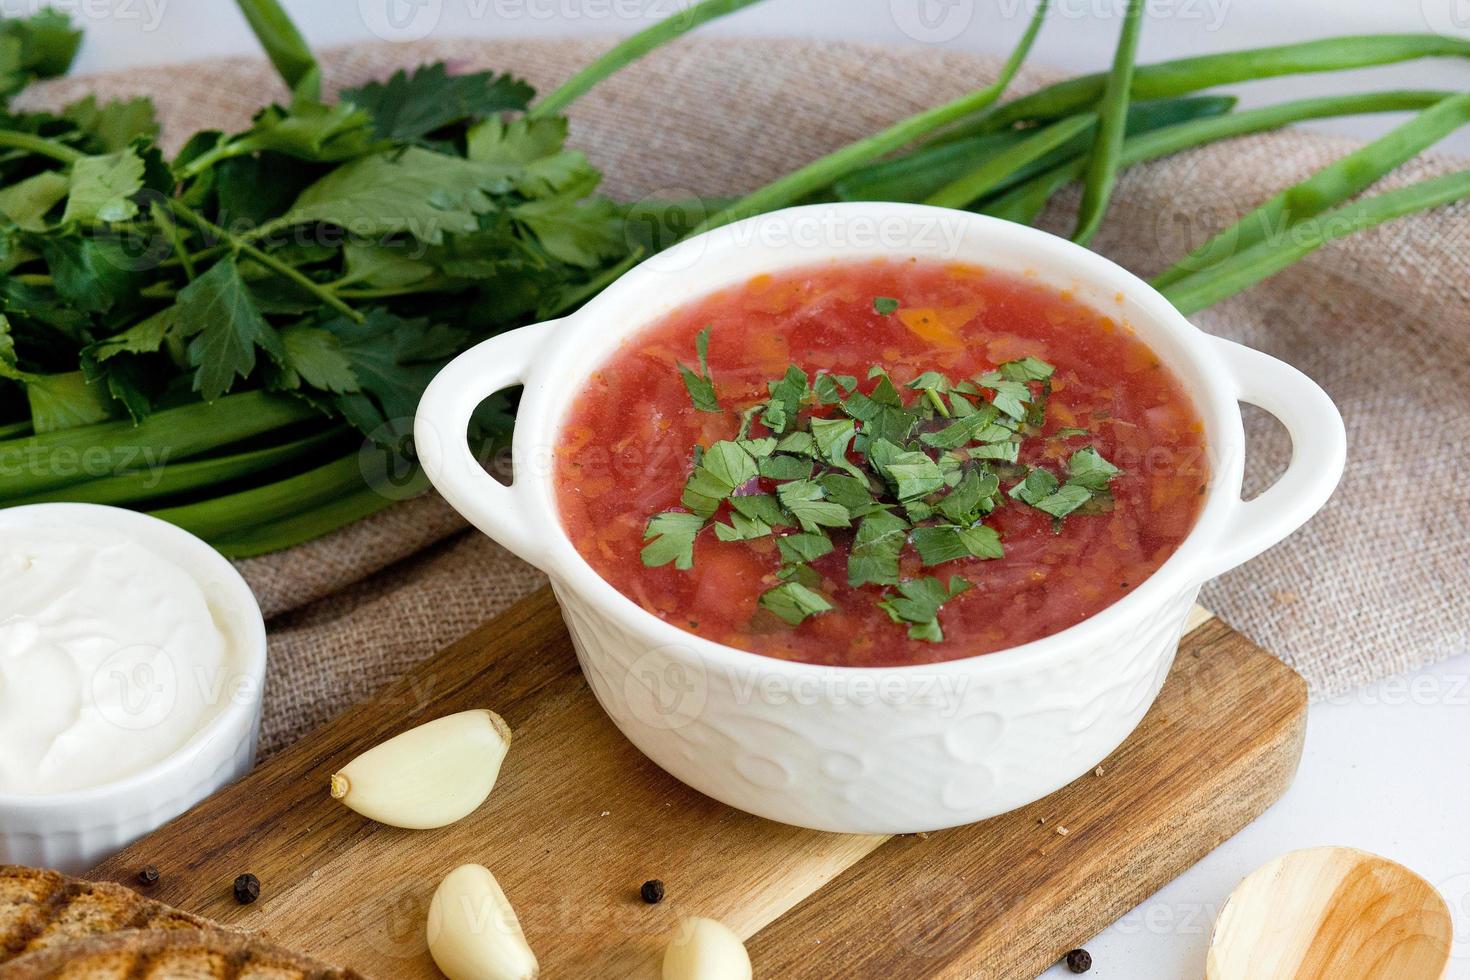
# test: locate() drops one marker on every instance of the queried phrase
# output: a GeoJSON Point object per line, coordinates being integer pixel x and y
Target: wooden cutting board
{"type": "Point", "coordinates": [579, 819]}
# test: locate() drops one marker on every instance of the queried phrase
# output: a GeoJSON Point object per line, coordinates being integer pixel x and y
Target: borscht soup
{"type": "Point", "coordinates": [880, 463]}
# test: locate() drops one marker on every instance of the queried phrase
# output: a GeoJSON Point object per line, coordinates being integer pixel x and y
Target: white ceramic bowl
{"type": "Point", "coordinates": [879, 750]}
{"type": "Point", "coordinates": [76, 830]}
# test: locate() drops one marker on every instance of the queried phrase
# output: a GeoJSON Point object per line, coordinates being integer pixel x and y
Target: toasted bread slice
{"type": "Point", "coordinates": [170, 954]}
{"type": "Point", "coordinates": [40, 909]}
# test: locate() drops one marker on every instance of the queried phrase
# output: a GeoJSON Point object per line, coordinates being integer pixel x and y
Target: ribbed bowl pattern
{"type": "Point", "coordinates": [960, 741]}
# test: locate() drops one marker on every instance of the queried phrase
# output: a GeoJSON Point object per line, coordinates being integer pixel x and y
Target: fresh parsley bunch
{"type": "Point", "coordinates": [213, 336]}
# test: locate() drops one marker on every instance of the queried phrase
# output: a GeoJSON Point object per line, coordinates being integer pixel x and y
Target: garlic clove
{"type": "Point", "coordinates": [473, 931]}
{"type": "Point", "coordinates": [429, 776]}
{"type": "Point", "coordinates": [703, 949]}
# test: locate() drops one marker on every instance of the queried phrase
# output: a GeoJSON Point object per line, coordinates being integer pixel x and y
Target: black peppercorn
{"type": "Point", "coordinates": [247, 889]}
{"type": "Point", "coordinates": [1079, 961]}
{"type": "Point", "coordinates": [652, 891]}
{"type": "Point", "coordinates": [148, 876]}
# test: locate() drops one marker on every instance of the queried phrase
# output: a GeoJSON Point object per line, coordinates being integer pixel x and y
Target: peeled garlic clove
{"type": "Point", "coordinates": [703, 949]}
{"type": "Point", "coordinates": [429, 776]}
{"type": "Point", "coordinates": [473, 931]}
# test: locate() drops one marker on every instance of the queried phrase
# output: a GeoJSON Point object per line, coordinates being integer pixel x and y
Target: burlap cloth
{"type": "Point", "coordinates": [1378, 583]}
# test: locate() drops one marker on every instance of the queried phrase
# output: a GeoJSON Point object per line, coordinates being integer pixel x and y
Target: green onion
{"type": "Point", "coordinates": [222, 516]}
{"type": "Point", "coordinates": [1102, 163]}
{"type": "Point", "coordinates": [918, 175]}
{"type": "Point", "coordinates": [1025, 201]}
{"type": "Point", "coordinates": [1265, 259]}
{"type": "Point", "coordinates": [66, 457]}
{"type": "Point", "coordinates": [1327, 188]}
{"type": "Point", "coordinates": [309, 524]}
{"type": "Point", "coordinates": [171, 479]}
{"type": "Point", "coordinates": [995, 170]}
{"type": "Point", "coordinates": [633, 48]}
{"type": "Point", "coordinates": [1185, 75]}
{"type": "Point", "coordinates": [915, 176]}
{"type": "Point", "coordinates": [817, 175]}
{"type": "Point", "coordinates": [284, 45]}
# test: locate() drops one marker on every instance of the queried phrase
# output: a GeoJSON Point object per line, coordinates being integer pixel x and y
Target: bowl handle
{"type": "Point", "coordinates": [441, 435]}
{"type": "Point", "coordinates": [1318, 453]}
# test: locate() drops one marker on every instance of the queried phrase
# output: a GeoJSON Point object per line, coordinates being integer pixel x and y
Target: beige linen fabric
{"type": "Point", "coordinates": [1376, 584]}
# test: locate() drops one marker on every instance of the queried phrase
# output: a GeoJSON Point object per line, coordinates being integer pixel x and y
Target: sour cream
{"type": "Point", "coordinates": [111, 659]}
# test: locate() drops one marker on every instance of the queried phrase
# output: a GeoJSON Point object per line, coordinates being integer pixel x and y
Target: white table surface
{"type": "Point", "coordinates": [1386, 769]}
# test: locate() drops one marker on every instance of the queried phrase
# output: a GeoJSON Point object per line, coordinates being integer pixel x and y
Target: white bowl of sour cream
{"type": "Point", "coordinates": [132, 662]}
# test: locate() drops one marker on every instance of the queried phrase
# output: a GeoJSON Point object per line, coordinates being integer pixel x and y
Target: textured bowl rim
{"type": "Point", "coordinates": [234, 721]}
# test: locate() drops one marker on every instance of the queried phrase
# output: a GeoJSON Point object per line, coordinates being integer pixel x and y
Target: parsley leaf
{"type": "Point", "coordinates": [803, 547]}
{"type": "Point", "coordinates": [413, 191]}
{"type": "Point", "coordinates": [875, 549]}
{"type": "Point", "coordinates": [1089, 476]}
{"type": "Point", "coordinates": [723, 467]}
{"type": "Point", "coordinates": [94, 273]}
{"type": "Point", "coordinates": [1011, 397]}
{"type": "Point", "coordinates": [787, 396]}
{"type": "Point", "coordinates": [65, 401]}
{"type": "Point", "coordinates": [39, 46]}
{"type": "Point", "coordinates": [1064, 501]}
{"type": "Point", "coordinates": [219, 318]}
{"type": "Point", "coordinates": [799, 443]}
{"type": "Point", "coordinates": [971, 498]}
{"type": "Point", "coordinates": [316, 356]}
{"type": "Point", "coordinates": [946, 542]}
{"type": "Point", "coordinates": [851, 491]}
{"type": "Point", "coordinates": [1026, 369]}
{"type": "Point", "coordinates": [830, 389]}
{"type": "Point", "coordinates": [752, 516]}
{"type": "Point", "coordinates": [794, 602]}
{"type": "Point", "coordinates": [980, 425]}
{"type": "Point", "coordinates": [759, 448]}
{"type": "Point", "coordinates": [412, 106]}
{"type": "Point", "coordinates": [805, 500]}
{"type": "Point", "coordinates": [885, 305]}
{"type": "Point", "coordinates": [1088, 469]}
{"type": "Point", "coordinates": [832, 438]}
{"type": "Point", "coordinates": [579, 233]}
{"type": "Point", "coordinates": [700, 386]}
{"type": "Point", "coordinates": [1007, 452]}
{"type": "Point", "coordinates": [310, 131]}
{"type": "Point", "coordinates": [27, 202]}
{"type": "Point", "coordinates": [910, 473]}
{"type": "Point", "coordinates": [102, 187]}
{"type": "Point", "coordinates": [393, 359]}
{"type": "Point", "coordinates": [517, 142]}
{"type": "Point", "coordinates": [782, 467]}
{"type": "Point", "coordinates": [670, 538]}
{"type": "Point", "coordinates": [918, 603]}
{"type": "Point", "coordinates": [116, 123]}
{"type": "Point", "coordinates": [1038, 485]}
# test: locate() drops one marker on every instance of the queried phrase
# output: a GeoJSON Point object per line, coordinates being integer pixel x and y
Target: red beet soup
{"type": "Point", "coordinates": [880, 463]}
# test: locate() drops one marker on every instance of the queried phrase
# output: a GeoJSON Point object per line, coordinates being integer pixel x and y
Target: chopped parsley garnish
{"type": "Point", "coordinates": [918, 602]}
{"type": "Point", "coordinates": [824, 455]}
{"type": "Point", "coordinates": [701, 386]}
{"type": "Point", "coordinates": [794, 602]}
{"type": "Point", "coordinates": [1089, 479]}
{"type": "Point", "coordinates": [671, 539]}
{"type": "Point", "coordinates": [885, 305]}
